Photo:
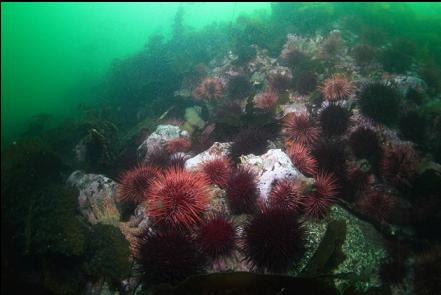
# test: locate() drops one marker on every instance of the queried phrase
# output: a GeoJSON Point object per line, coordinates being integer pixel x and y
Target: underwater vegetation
{"type": "Point", "coordinates": [291, 149]}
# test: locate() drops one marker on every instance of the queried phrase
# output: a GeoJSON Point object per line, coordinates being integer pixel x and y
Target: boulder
{"type": "Point", "coordinates": [159, 138]}
{"type": "Point", "coordinates": [97, 197]}
{"type": "Point", "coordinates": [271, 166]}
{"type": "Point", "coordinates": [218, 149]}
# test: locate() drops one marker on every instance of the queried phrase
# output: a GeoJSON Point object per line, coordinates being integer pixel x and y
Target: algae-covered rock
{"type": "Point", "coordinates": [28, 168]}
{"type": "Point", "coordinates": [53, 227]}
{"type": "Point", "coordinates": [107, 254]}
{"type": "Point", "coordinates": [97, 197]}
{"type": "Point", "coordinates": [344, 245]}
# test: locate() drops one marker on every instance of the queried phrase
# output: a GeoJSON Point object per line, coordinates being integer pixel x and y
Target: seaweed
{"type": "Point", "coordinates": [329, 253]}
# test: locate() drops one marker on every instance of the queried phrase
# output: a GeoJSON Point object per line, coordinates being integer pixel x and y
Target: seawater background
{"type": "Point", "coordinates": [52, 52]}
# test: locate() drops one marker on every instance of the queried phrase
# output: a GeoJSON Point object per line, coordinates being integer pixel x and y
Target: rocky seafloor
{"type": "Point", "coordinates": [354, 232]}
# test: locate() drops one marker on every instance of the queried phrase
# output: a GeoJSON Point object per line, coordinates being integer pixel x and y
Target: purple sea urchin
{"type": "Point", "coordinates": [169, 257]}
{"type": "Point", "coordinates": [273, 239]}
{"type": "Point", "coordinates": [242, 191]}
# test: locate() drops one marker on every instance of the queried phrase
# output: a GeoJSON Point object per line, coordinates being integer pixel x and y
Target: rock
{"type": "Point", "coordinates": [405, 83]}
{"type": "Point", "coordinates": [96, 199]}
{"type": "Point", "coordinates": [292, 107]}
{"type": "Point", "coordinates": [218, 149]}
{"type": "Point", "coordinates": [159, 138]}
{"type": "Point", "coordinates": [355, 247]}
{"type": "Point", "coordinates": [273, 165]}
{"type": "Point", "coordinates": [363, 248]}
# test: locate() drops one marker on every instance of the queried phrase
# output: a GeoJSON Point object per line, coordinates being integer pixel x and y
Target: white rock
{"type": "Point", "coordinates": [218, 149]}
{"type": "Point", "coordinates": [293, 107]}
{"type": "Point", "coordinates": [96, 199]}
{"type": "Point", "coordinates": [273, 165]}
{"type": "Point", "coordinates": [159, 138]}
{"type": "Point", "coordinates": [404, 83]}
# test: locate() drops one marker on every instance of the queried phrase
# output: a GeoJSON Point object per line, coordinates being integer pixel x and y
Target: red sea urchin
{"type": "Point", "coordinates": [169, 257]}
{"type": "Point", "coordinates": [211, 88]}
{"type": "Point", "coordinates": [266, 100]}
{"type": "Point", "coordinates": [302, 159]}
{"type": "Point", "coordinates": [217, 170]}
{"type": "Point", "coordinates": [273, 240]}
{"type": "Point", "coordinates": [318, 202]}
{"type": "Point", "coordinates": [135, 182]}
{"type": "Point", "coordinates": [300, 127]}
{"type": "Point", "coordinates": [217, 236]}
{"type": "Point", "coordinates": [177, 198]}
{"type": "Point", "coordinates": [179, 144]}
{"type": "Point", "coordinates": [242, 191]}
{"type": "Point", "coordinates": [337, 87]}
{"type": "Point", "coordinates": [399, 164]}
{"type": "Point", "coordinates": [287, 194]}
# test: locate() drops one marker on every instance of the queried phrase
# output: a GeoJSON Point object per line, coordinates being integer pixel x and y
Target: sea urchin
{"type": "Point", "coordinates": [273, 240]}
{"type": "Point", "coordinates": [287, 194]}
{"type": "Point", "coordinates": [169, 257]}
{"type": "Point", "coordinates": [135, 182]}
{"type": "Point", "coordinates": [300, 127]}
{"type": "Point", "coordinates": [337, 87]}
{"type": "Point", "coordinates": [217, 170]}
{"type": "Point", "coordinates": [318, 202]}
{"type": "Point", "coordinates": [242, 191]}
{"type": "Point", "coordinates": [177, 198]}
{"type": "Point", "coordinates": [302, 159]}
{"type": "Point", "coordinates": [217, 237]}
{"type": "Point", "coordinates": [334, 119]}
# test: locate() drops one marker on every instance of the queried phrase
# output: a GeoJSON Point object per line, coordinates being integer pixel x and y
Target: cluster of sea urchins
{"type": "Point", "coordinates": [325, 143]}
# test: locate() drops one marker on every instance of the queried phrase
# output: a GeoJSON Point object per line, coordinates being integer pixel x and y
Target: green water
{"type": "Point", "coordinates": [52, 49]}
